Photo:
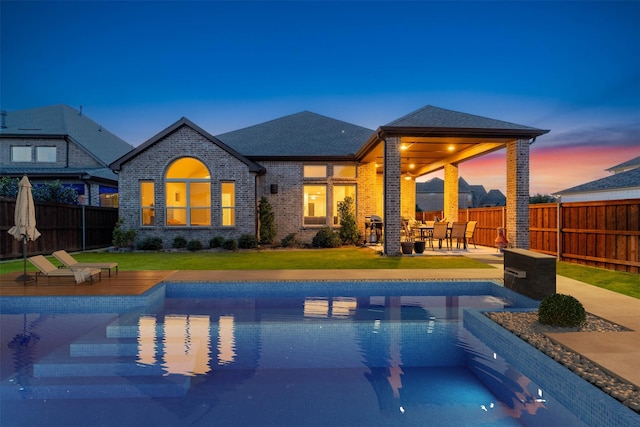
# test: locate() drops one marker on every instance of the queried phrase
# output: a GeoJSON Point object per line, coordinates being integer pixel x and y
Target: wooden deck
{"type": "Point", "coordinates": [124, 283]}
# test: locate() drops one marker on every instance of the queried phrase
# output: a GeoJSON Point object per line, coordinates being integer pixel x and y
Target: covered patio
{"type": "Point", "coordinates": [431, 139]}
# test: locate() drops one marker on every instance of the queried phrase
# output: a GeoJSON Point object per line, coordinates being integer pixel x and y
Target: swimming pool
{"type": "Point", "coordinates": [282, 353]}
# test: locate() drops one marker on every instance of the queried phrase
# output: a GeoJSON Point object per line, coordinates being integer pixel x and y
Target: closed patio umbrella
{"type": "Point", "coordinates": [25, 222]}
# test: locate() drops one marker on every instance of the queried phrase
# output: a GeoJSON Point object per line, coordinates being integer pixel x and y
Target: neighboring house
{"type": "Point", "coordinates": [430, 195]}
{"type": "Point", "coordinates": [623, 184]}
{"type": "Point", "coordinates": [186, 182]}
{"type": "Point", "coordinates": [60, 143]}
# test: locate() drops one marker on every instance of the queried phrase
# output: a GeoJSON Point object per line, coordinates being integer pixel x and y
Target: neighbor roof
{"type": "Point", "coordinates": [63, 121]}
{"type": "Point", "coordinates": [628, 179]}
{"type": "Point", "coordinates": [302, 135]}
{"type": "Point", "coordinates": [629, 164]}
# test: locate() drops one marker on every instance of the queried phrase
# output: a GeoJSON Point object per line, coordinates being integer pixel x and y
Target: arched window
{"type": "Point", "coordinates": [188, 193]}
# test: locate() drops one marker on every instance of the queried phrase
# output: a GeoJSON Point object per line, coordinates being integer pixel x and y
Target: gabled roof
{"type": "Point", "coordinates": [63, 121]}
{"type": "Point", "coordinates": [184, 122]}
{"type": "Point", "coordinates": [436, 185]}
{"type": "Point", "coordinates": [435, 117]}
{"type": "Point", "coordinates": [628, 179]}
{"type": "Point", "coordinates": [629, 164]}
{"type": "Point", "coordinates": [302, 135]}
{"type": "Point", "coordinates": [493, 198]}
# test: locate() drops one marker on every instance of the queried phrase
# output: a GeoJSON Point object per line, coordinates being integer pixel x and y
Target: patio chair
{"type": "Point", "coordinates": [70, 262]}
{"type": "Point", "coordinates": [46, 268]}
{"type": "Point", "coordinates": [468, 235]}
{"type": "Point", "coordinates": [458, 232]}
{"type": "Point", "coordinates": [440, 233]}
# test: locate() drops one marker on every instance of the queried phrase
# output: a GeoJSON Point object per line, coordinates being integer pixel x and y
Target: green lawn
{"type": "Point", "coordinates": [342, 258]}
{"type": "Point", "coordinates": [304, 259]}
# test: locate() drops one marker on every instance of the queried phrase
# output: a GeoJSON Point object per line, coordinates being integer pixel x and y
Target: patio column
{"type": "Point", "coordinates": [451, 192]}
{"type": "Point", "coordinates": [518, 193]}
{"type": "Point", "coordinates": [392, 196]}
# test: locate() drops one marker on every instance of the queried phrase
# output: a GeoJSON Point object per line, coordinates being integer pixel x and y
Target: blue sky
{"type": "Point", "coordinates": [137, 67]}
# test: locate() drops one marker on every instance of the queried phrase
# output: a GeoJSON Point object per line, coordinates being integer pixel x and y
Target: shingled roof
{"type": "Point", "coordinates": [430, 116]}
{"type": "Point", "coordinates": [628, 179]}
{"type": "Point", "coordinates": [63, 121]}
{"type": "Point", "coordinates": [302, 135]}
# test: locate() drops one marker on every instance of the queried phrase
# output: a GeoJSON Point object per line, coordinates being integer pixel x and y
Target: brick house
{"type": "Point", "coordinates": [185, 181]}
{"type": "Point", "coordinates": [60, 143]}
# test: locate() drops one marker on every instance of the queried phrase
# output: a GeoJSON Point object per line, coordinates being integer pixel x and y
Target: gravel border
{"type": "Point", "coordinates": [526, 326]}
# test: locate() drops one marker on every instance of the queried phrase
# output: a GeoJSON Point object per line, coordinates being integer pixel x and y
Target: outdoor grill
{"type": "Point", "coordinates": [372, 229]}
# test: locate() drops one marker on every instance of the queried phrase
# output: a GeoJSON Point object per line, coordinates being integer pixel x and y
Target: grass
{"type": "Point", "coordinates": [306, 259]}
{"type": "Point", "coordinates": [342, 258]}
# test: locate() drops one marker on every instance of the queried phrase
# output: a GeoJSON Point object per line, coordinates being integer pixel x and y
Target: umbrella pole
{"type": "Point", "coordinates": [24, 277]}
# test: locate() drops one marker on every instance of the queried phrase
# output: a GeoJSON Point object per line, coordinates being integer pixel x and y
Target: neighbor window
{"type": "Point", "coordinates": [147, 203]}
{"type": "Point", "coordinates": [315, 171]}
{"type": "Point", "coordinates": [46, 154]}
{"type": "Point", "coordinates": [21, 154]}
{"type": "Point", "coordinates": [340, 192]}
{"type": "Point", "coordinates": [228, 203]}
{"type": "Point", "coordinates": [315, 205]}
{"type": "Point", "coordinates": [188, 193]}
{"type": "Point", "coordinates": [344, 171]}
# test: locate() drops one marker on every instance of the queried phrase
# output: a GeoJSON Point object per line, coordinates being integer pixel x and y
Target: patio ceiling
{"type": "Point", "coordinates": [426, 150]}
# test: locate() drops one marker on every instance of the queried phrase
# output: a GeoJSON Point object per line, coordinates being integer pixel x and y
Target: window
{"type": "Point", "coordinates": [340, 192]}
{"type": "Point", "coordinates": [228, 202]}
{"type": "Point", "coordinates": [344, 171]}
{"type": "Point", "coordinates": [315, 171]}
{"type": "Point", "coordinates": [188, 193]}
{"type": "Point", "coordinates": [147, 203]}
{"type": "Point", "coordinates": [315, 205]}
{"type": "Point", "coordinates": [21, 154]}
{"type": "Point", "coordinates": [46, 154]}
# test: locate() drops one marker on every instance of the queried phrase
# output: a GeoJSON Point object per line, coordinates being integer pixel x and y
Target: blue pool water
{"type": "Point", "coordinates": [275, 354]}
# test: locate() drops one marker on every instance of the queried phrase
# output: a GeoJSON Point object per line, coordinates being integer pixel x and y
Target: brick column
{"type": "Point", "coordinates": [392, 193]}
{"type": "Point", "coordinates": [451, 192]}
{"type": "Point", "coordinates": [518, 193]}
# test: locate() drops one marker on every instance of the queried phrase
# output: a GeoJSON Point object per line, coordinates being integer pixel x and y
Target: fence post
{"type": "Point", "coordinates": [559, 231]}
{"type": "Point", "coordinates": [84, 229]}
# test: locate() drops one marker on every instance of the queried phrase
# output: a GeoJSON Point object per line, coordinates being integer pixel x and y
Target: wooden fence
{"type": "Point", "coordinates": [68, 227]}
{"type": "Point", "coordinates": [602, 234]}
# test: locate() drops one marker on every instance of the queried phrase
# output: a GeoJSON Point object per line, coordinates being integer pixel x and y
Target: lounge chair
{"type": "Point", "coordinates": [70, 262]}
{"type": "Point", "coordinates": [46, 268]}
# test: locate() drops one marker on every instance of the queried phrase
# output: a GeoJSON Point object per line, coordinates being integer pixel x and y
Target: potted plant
{"type": "Point", "coordinates": [407, 247]}
{"type": "Point", "coordinates": [418, 246]}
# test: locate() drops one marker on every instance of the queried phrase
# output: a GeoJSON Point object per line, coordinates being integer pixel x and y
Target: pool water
{"type": "Point", "coordinates": [306, 358]}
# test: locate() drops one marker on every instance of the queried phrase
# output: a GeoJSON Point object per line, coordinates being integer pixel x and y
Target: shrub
{"type": "Point", "coordinates": [216, 242]}
{"type": "Point", "coordinates": [179, 242]}
{"type": "Point", "coordinates": [247, 241]}
{"type": "Point", "coordinates": [123, 238]}
{"type": "Point", "coordinates": [290, 241]}
{"type": "Point", "coordinates": [230, 245]}
{"type": "Point", "coordinates": [561, 310]}
{"type": "Point", "coordinates": [267, 222]}
{"type": "Point", "coordinates": [194, 245]}
{"type": "Point", "coordinates": [150, 244]}
{"type": "Point", "coordinates": [326, 238]}
{"type": "Point", "coordinates": [349, 233]}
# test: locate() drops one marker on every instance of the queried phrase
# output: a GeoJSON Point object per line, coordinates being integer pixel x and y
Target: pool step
{"type": "Point", "coordinates": [94, 388]}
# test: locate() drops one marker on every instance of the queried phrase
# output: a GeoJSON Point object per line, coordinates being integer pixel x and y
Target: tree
{"type": "Point", "coordinates": [266, 217]}
{"type": "Point", "coordinates": [52, 191]}
{"type": "Point", "coordinates": [539, 198]}
{"type": "Point", "coordinates": [349, 233]}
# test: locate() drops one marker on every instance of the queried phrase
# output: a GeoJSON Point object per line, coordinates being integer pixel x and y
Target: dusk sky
{"type": "Point", "coordinates": [137, 67]}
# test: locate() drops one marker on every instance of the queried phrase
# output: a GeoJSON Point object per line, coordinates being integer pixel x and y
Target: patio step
{"type": "Point", "coordinates": [94, 387]}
